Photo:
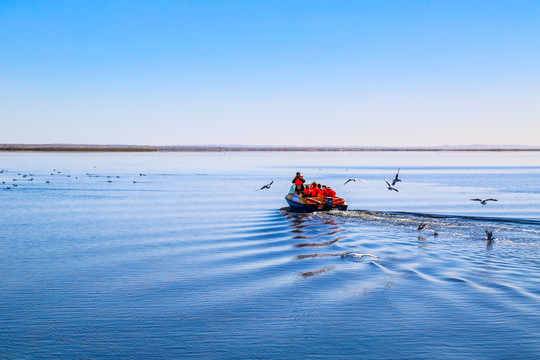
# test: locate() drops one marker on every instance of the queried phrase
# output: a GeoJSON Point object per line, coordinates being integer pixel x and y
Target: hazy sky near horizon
{"type": "Point", "coordinates": [351, 73]}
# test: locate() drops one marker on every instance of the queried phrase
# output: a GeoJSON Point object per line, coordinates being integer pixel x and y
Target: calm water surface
{"type": "Point", "coordinates": [176, 255]}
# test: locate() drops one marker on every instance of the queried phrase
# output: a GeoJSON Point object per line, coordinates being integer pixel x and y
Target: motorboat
{"type": "Point", "coordinates": [307, 204]}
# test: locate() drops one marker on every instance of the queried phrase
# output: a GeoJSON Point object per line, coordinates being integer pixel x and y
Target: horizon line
{"type": "Point", "coordinates": [219, 148]}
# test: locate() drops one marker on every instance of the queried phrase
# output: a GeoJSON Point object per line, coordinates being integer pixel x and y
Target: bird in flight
{"type": "Point", "coordinates": [396, 178]}
{"type": "Point", "coordinates": [423, 225]}
{"type": "Point", "coordinates": [390, 186]}
{"type": "Point", "coordinates": [357, 255]}
{"type": "Point", "coordinates": [484, 201]}
{"type": "Point", "coordinates": [355, 179]}
{"type": "Point", "coordinates": [267, 186]}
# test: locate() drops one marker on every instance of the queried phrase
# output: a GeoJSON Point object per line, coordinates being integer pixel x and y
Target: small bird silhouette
{"type": "Point", "coordinates": [423, 225]}
{"type": "Point", "coordinates": [489, 235]}
{"type": "Point", "coordinates": [484, 201]}
{"type": "Point", "coordinates": [390, 186]}
{"type": "Point", "coordinates": [267, 186]}
{"type": "Point", "coordinates": [354, 179]}
{"type": "Point", "coordinates": [396, 178]}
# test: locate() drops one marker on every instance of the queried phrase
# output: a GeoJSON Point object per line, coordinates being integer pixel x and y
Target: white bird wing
{"type": "Point", "coordinates": [396, 178]}
{"type": "Point", "coordinates": [476, 199]}
{"type": "Point", "coordinates": [355, 179]}
{"type": "Point", "coordinates": [359, 256]}
{"type": "Point", "coordinates": [492, 200]}
{"type": "Point", "coordinates": [387, 183]}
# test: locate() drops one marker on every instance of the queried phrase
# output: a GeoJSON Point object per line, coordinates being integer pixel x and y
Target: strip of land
{"type": "Point", "coordinates": [229, 148]}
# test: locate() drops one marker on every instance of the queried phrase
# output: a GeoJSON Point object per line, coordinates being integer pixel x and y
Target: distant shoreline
{"type": "Point", "coordinates": [239, 148]}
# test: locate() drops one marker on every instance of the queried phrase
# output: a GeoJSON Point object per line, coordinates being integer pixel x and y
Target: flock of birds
{"type": "Point", "coordinates": [391, 187]}
{"type": "Point", "coordinates": [16, 181]}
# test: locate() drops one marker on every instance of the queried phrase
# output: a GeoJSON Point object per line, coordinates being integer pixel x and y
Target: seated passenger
{"type": "Point", "coordinates": [308, 191]}
{"type": "Point", "coordinates": [316, 191]}
{"type": "Point", "coordinates": [325, 191]}
{"type": "Point", "coordinates": [331, 192]}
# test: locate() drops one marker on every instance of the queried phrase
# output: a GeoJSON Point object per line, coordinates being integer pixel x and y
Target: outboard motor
{"type": "Point", "coordinates": [328, 203]}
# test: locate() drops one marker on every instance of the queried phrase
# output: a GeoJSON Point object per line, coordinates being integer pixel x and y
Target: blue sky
{"type": "Point", "coordinates": [343, 73]}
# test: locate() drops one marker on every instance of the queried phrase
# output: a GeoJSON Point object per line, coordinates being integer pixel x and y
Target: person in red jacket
{"type": "Point", "coordinates": [331, 192]}
{"type": "Point", "coordinates": [325, 192]}
{"type": "Point", "coordinates": [320, 190]}
{"type": "Point", "coordinates": [316, 190]}
{"type": "Point", "coordinates": [299, 181]}
{"type": "Point", "coordinates": [310, 190]}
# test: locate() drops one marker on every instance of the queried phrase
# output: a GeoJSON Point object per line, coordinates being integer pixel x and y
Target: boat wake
{"type": "Point", "coordinates": [437, 224]}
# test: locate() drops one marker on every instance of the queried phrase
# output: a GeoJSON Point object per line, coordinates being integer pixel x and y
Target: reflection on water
{"type": "Point", "coordinates": [317, 272]}
{"type": "Point", "coordinates": [175, 265]}
{"type": "Point", "coordinates": [326, 230]}
{"type": "Point", "coordinates": [311, 256]}
{"type": "Point", "coordinates": [307, 227]}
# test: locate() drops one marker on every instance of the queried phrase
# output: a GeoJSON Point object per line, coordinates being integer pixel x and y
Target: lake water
{"type": "Point", "coordinates": [177, 256]}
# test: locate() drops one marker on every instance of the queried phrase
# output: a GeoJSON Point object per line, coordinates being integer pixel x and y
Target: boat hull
{"type": "Point", "coordinates": [311, 204]}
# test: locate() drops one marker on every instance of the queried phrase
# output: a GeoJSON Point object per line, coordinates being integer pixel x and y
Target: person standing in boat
{"type": "Point", "coordinates": [299, 181]}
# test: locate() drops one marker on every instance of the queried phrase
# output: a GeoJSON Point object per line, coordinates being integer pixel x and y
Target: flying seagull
{"type": "Point", "coordinates": [484, 201]}
{"type": "Point", "coordinates": [357, 255]}
{"type": "Point", "coordinates": [355, 179]}
{"type": "Point", "coordinates": [396, 178]}
{"type": "Point", "coordinates": [423, 225]}
{"type": "Point", "coordinates": [267, 186]}
{"type": "Point", "coordinates": [390, 186]}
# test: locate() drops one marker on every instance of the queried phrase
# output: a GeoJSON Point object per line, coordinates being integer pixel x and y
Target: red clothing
{"type": "Point", "coordinates": [299, 180]}
{"type": "Point", "coordinates": [331, 192]}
